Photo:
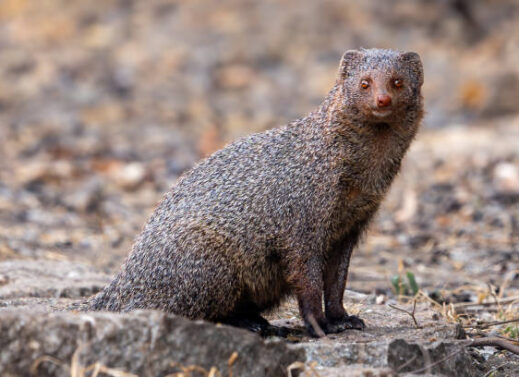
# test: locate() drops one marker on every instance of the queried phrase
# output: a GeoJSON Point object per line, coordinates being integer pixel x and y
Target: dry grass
{"type": "Point", "coordinates": [304, 368]}
{"type": "Point", "coordinates": [75, 369]}
{"type": "Point", "coordinates": [502, 309]}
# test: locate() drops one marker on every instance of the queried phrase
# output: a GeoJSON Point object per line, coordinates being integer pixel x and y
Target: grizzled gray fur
{"type": "Point", "coordinates": [278, 213]}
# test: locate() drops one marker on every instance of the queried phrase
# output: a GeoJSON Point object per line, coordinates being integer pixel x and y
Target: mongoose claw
{"type": "Point", "coordinates": [348, 322]}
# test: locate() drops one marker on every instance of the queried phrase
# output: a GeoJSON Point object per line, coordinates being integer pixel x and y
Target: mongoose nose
{"type": "Point", "coordinates": [383, 100]}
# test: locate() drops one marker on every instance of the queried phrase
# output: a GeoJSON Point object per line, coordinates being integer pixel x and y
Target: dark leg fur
{"type": "Point", "coordinates": [257, 324]}
{"type": "Point", "coordinates": [307, 280]}
{"type": "Point", "coordinates": [312, 313]}
{"type": "Point", "coordinates": [335, 282]}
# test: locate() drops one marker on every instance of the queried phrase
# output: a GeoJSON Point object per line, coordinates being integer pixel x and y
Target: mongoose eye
{"type": "Point", "coordinates": [364, 84]}
{"type": "Point", "coordinates": [397, 83]}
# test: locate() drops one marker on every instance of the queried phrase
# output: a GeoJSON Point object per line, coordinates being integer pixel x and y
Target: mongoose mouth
{"type": "Point", "coordinates": [381, 113]}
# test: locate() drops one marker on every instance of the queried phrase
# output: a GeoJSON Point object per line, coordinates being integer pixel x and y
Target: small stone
{"type": "Point", "coordinates": [34, 345]}
{"type": "Point", "coordinates": [86, 198]}
{"type": "Point", "coordinates": [506, 177]}
{"type": "Point", "coordinates": [122, 336]}
{"type": "Point", "coordinates": [236, 76]}
{"type": "Point", "coordinates": [130, 176]}
{"type": "Point", "coordinates": [413, 357]}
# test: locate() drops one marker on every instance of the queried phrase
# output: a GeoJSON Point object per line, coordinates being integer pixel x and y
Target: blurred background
{"type": "Point", "coordinates": [103, 104]}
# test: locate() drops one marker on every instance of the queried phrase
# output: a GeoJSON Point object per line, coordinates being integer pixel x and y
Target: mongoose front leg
{"type": "Point", "coordinates": [336, 274]}
{"type": "Point", "coordinates": [308, 281]}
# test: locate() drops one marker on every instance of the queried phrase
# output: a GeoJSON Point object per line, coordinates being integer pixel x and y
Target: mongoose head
{"type": "Point", "coordinates": [381, 86]}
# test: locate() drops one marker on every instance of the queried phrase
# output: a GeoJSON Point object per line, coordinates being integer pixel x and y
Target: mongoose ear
{"type": "Point", "coordinates": [350, 59]}
{"type": "Point", "coordinates": [414, 61]}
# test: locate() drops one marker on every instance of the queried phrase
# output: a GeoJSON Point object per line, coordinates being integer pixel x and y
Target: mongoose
{"type": "Point", "coordinates": [278, 213]}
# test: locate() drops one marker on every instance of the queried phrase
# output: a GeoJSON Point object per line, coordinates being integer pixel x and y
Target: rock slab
{"type": "Point", "coordinates": [145, 343]}
{"type": "Point", "coordinates": [447, 358]}
{"type": "Point", "coordinates": [49, 279]}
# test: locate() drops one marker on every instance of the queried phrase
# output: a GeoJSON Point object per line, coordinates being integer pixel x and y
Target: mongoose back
{"type": "Point", "coordinates": [278, 213]}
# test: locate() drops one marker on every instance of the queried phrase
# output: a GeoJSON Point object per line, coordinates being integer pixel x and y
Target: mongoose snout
{"type": "Point", "coordinates": [383, 100]}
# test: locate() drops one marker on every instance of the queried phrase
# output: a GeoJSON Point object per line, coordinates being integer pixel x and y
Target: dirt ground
{"type": "Point", "coordinates": [103, 106]}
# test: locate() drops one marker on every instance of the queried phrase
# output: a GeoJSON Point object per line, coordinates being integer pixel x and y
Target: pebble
{"type": "Point", "coordinates": [130, 176]}
{"type": "Point", "coordinates": [506, 177]}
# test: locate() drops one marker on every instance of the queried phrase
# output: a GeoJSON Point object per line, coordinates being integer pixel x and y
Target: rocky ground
{"type": "Point", "coordinates": [38, 337]}
{"type": "Point", "coordinates": [450, 220]}
{"type": "Point", "coordinates": [104, 105]}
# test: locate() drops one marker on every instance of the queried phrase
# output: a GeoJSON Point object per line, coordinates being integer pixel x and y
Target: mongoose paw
{"type": "Point", "coordinates": [259, 325]}
{"type": "Point", "coordinates": [271, 330]}
{"type": "Point", "coordinates": [348, 322]}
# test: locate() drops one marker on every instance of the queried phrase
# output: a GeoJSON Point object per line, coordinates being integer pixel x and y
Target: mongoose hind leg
{"type": "Point", "coordinates": [256, 323]}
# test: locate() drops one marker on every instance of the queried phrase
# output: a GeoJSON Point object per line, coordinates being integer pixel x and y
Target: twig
{"type": "Point", "coordinates": [429, 366]}
{"type": "Point", "coordinates": [75, 365]}
{"type": "Point", "coordinates": [479, 342]}
{"type": "Point", "coordinates": [299, 365]}
{"type": "Point", "coordinates": [408, 312]}
{"type": "Point", "coordinates": [312, 366]}
{"type": "Point", "coordinates": [481, 333]}
{"type": "Point", "coordinates": [495, 368]}
{"type": "Point", "coordinates": [231, 361]}
{"type": "Point", "coordinates": [493, 342]}
{"type": "Point", "coordinates": [99, 368]}
{"type": "Point", "coordinates": [502, 301]}
{"type": "Point", "coordinates": [427, 298]}
{"type": "Point", "coordinates": [406, 363]}
{"type": "Point", "coordinates": [53, 360]}
{"type": "Point", "coordinates": [490, 324]}
{"type": "Point", "coordinates": [186, 370]}
{"type": "Point", "coordinates": [492, 292]}
{"type": "Point", "coordinates": [296, 365]}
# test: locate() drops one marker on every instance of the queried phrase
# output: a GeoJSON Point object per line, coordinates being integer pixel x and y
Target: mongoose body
{"type": "Point", "coordinates": [278, 213]}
